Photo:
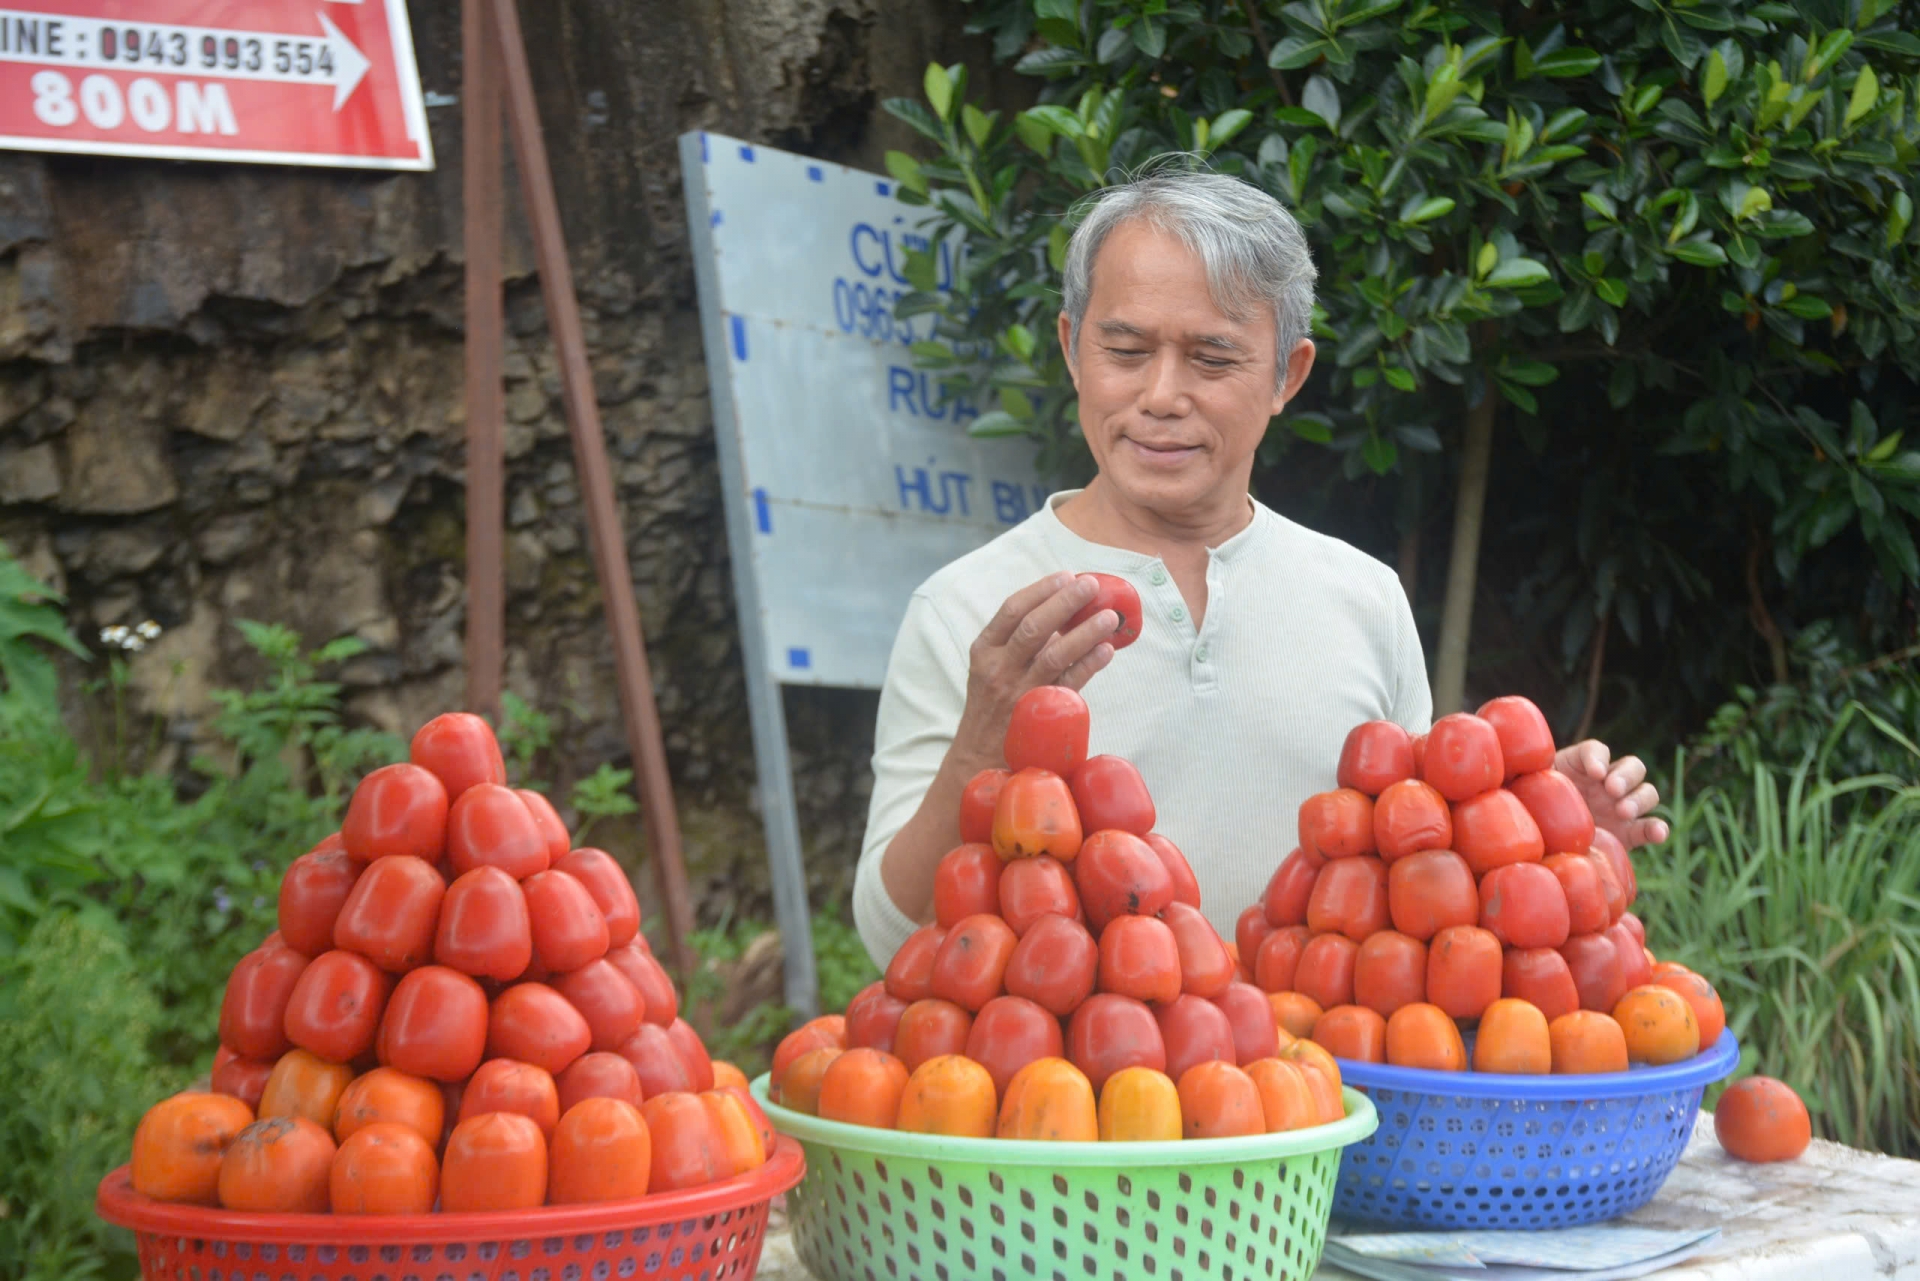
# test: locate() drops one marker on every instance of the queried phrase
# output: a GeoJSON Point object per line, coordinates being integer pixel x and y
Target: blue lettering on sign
{"type": "Point", "coordinates": [706, 154]}
{"type": "Point", "coordinates": [739, 337]}
{"type": "Point", "coordinates": [746, 153]}
{"type": "Point", "coordinates": [814, 174]}
{"type": "Point", "coordinates": [762, 515]}
{"type": "Point", "coordinates": [916, 393]}
{"type": "Point", "coordinates": [883, 188]}
{"type": "Point", "coordinates": [1010, 501]}
{"type": "Point", "coordinates": [859, 260]}
{"type": "Point", "coordinates": [798, 657]}
{"type": "Point", "coordinates": [714, 221]}
{"type": "Point", "coordinates": [919, 486]}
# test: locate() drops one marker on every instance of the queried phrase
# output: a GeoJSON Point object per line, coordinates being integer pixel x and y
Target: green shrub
{"type": "Point", "coordinates": [1666, 254]}
{"type": "Point", "coordinates": [1796, 892]}
{"type": "Point", "coordinates": [78, 1015]}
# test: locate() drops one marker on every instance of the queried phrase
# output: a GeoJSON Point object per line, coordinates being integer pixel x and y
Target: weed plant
{"type": "Point", "coordinates": [1797, 893]}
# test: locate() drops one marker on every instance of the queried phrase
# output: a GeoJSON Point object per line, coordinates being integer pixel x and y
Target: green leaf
{"type": "Point", "coordinates": [1113, 42]}
{"type": "Point", "coordinates": [1611, 290]}
{"type": "Point", "coordinates": [1520, 396]}
{"type": "Point", "coordinates": [1565, 64]}
{"type": "Point", "coordinates": [916, 115]}
{"type": "Point", "coordinates": [1058, 10]}
{"type": "Point", "coordinates": [921, 270]}
{"type": "Point", "coordinates": [1700, 251]}
{"type": "Point", "coordinates": [1150, 38]}
{"type": "Point", "coordinates": [1311, 427]}
{"type": "Point", "coordinates": [1322, 99]}
{"type": "Point", "coordinates": [978, 123]}
{"type": "Point", "coordinates": [1298, 116]}
{"type": "Point", "coordinates": [906, 170]}
{"type": "Point", "coordinates": [1534, 373]}
{"type": "Point", "coordinates": [1015, 403]}
{"type": "Point", "coordinates": [1295, 52]}
{"type": "Point", "coordinates": [939, 86]}
{"type": "Point", "coordinates": [1713, 82]}
{"type": "Point", "coordinates": [1517, 273]}
{"type": "Point", "coordinates": [1488, 257]}
{"type": "Point", "coordinates": [1380, 454]}
{"type": "Point", "coordinates": [1057, 240]}
{"type": "Point", "coordinates": [1866, 92]}
{"type": "Point", "coordinates": [1020, 341]}
{"type": "Point", "coordinates": [1227, 124]}
{"type": "Point", "coordinates": [996, 422]}
{"type": "Point", "coordinates": [1904, 43]}
{"type": "Point", "coordinates": [1034, 132]}
{"type": "Point", "coordinates": [1600, 203]}
{"type": "Point", "coordinates": [1823, 55]}
{"type": "Point", "coordinates": [1426, 210]}
{"type": "Point", "coordinates": [1755, 201]}
{"type": "Point", "coordinates": [1884, 450]}
{"type": "Point", "coordinates": [1059, 119]}
{"type": "Point", "coordinates": [1899, 217]}
{"type": "Point", "coordinates": [1808, 307]}
{"type": "Point", "coordinates": [1397, 377]}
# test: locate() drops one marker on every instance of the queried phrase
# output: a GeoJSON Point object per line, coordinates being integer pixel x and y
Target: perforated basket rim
{"type": "Point", "coordinates": [118, 1203]}
{"type": "Point", "coordinates": [1361, 1120]}
{"type": "Point", "coordinates": [1710, 1065]}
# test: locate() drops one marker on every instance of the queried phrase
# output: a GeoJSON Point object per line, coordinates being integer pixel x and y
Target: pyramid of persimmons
{"type": "Point", "coordinates": [458, 1012]}
{"type": "Point", "coordinates": [1069, 987]}
{"type": "Point", "coordinates": [1456, 879]}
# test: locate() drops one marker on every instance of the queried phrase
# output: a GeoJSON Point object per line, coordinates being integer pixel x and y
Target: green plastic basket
{"type": "Point", "coordinates": [880, 1204]}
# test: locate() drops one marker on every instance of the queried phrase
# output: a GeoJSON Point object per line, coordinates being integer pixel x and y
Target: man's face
{"type": "Point", "coordinates": [1175, 395]}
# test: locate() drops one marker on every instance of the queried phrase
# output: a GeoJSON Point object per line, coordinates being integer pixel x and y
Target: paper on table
{"type": "Point", "coordinates": [1388, 1270]}
{"type": "Point", "coordinates": [1577, 1250]}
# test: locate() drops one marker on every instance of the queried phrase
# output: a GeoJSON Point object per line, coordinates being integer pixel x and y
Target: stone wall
{"type": "Point", "coordinates": [232, 392]}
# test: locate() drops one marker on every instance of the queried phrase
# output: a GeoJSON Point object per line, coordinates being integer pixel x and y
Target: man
{"type": "Point", "coordinates": [1186, 305]}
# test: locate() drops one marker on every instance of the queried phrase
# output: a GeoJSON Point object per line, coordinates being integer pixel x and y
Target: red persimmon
{"type": "Point", "coordinates": [1047, 730]}
{"type": "Point", "coordinates": [396, 809]}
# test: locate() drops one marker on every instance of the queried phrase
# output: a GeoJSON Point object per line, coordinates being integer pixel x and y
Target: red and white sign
{"type": "Point", "coordinates": [294, 82]}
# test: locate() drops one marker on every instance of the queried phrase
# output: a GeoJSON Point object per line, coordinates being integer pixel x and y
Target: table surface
{"type": "Point", "coordinates": [1836, 1214]}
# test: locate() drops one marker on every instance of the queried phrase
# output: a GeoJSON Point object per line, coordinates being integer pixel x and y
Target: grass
{"type": "Point", "coordinates": [1798, 896]}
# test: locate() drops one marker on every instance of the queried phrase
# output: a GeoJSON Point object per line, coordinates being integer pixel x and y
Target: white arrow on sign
{"type": "Point", "coordinates": [349, 63]}
{"type": "Point", "coordinates": [226, 53]}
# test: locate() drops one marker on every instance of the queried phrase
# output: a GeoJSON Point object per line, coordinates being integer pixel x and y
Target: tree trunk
{"type": "Point", "coordinates": [1469, 511]}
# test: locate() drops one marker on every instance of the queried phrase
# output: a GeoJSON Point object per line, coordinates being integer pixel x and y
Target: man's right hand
{"type": "Point", "coordinates": [1023, 646]}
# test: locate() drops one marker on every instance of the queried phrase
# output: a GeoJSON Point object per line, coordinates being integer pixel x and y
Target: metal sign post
{"type": "Point", "coordinates": [496, 62]}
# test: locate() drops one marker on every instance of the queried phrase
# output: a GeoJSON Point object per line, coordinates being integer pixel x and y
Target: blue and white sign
{"type": "Point", "coordinates": [856, 476]}
{"type": "Point", "coordinates": [849, 477]}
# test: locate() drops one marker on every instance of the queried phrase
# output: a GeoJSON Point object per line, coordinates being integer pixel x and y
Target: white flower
{"type": "Point", "coordinates": [148, 630]}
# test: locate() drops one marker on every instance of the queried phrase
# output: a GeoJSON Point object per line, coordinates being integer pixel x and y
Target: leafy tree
{"type": "Point", "coordinates": [1666, 248]}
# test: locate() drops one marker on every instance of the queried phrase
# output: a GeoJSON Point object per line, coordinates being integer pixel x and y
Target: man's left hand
{"type": "Point", "coordinates": [1616, 791]}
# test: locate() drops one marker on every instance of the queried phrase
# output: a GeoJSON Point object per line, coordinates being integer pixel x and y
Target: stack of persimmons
{"type": "Point", "coordinates": [1069, 987]}
{"type": "Point", "coordinates": [458, 1012]}
{"type": "Point", "coordinates": [1457, 878]}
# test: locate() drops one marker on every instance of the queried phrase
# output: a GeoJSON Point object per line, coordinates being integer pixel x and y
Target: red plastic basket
{"type": "Point", "coordinates": [703, 1234]}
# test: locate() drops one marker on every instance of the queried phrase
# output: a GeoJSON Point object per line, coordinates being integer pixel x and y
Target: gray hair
{"type": "Point", "coordinates": [1253, 250]}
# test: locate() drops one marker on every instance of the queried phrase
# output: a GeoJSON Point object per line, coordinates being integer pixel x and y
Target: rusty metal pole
{"type": "Point", "coordinates": [485, 353]}
{"type": "Point", "coordinates": [596, 486]}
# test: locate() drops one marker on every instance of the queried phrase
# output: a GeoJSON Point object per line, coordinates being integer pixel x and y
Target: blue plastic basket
{"type": "Point", "coordinates": [1486, 1150]}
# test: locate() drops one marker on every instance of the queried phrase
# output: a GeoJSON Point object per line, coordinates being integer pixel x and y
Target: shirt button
{"type": "Point", "coordinates": [1200, 655]}
{"type": "Point", "coordinates": [1178, 614]}
{"type": "Point", "coordinates": [1158, 577]}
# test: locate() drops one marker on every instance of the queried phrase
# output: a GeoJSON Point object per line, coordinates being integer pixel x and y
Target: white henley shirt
{"type": "Point", "coordinates": [1231, 725]}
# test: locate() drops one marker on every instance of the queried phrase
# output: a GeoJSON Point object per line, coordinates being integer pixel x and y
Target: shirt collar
{"type": "Point", "coordinates": [1101, 557]}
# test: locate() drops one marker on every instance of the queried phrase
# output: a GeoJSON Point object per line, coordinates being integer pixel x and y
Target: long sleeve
{"type": "Point", "coordinates": [920, 706]}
